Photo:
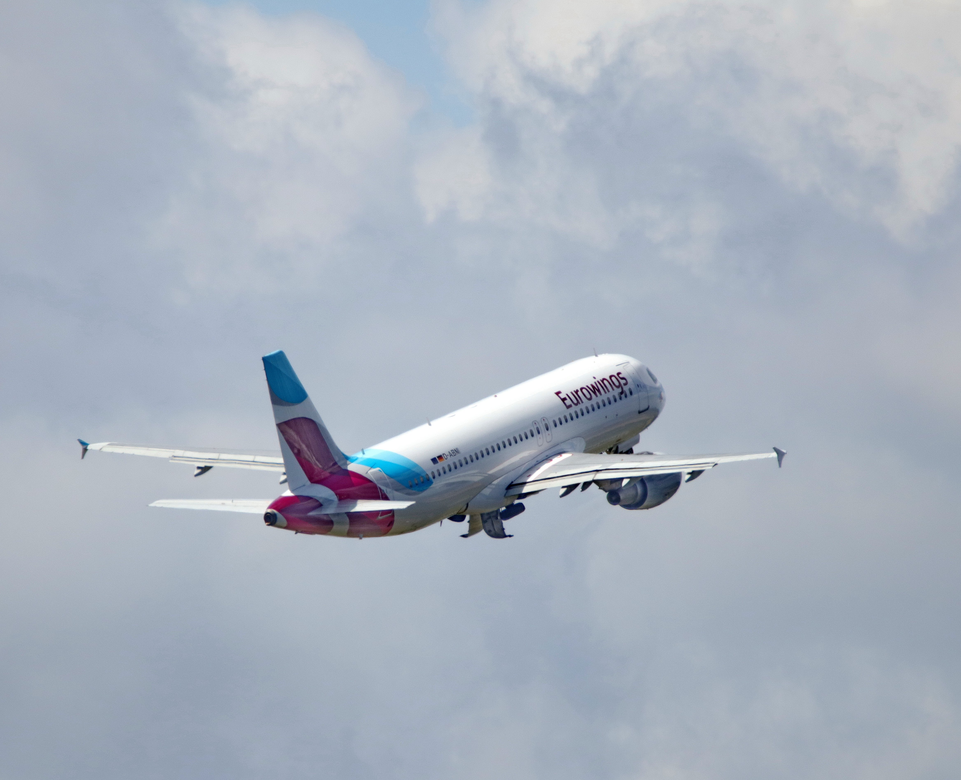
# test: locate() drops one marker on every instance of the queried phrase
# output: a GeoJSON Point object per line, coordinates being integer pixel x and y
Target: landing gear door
{"type": "Point", "coordinates": [637, 386]}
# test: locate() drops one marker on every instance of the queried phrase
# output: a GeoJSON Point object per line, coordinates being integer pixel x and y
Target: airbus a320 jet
{"type": "Point", "coordinates": [571, 428]}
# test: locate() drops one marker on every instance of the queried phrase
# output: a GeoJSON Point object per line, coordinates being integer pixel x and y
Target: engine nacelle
{"type": "Point", "coordinates": [274, 518]}
{"type": "Point", "coordinates": [646, 492]}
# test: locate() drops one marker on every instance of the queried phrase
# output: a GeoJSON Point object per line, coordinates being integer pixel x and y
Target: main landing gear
{"type": "Point", "coordinates": [492, 523]}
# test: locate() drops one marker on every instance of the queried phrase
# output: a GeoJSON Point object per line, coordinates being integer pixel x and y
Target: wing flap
{"type": "Point", "coordinates": [570, 468]}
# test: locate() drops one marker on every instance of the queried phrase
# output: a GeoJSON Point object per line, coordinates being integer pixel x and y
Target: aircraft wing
{"type": "Point", "coordinates": [572, 468]}
{"type": "Point", "coordinates": [199, 458]}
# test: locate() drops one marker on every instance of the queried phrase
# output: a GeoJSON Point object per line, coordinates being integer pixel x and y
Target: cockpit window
{"type": "Point", "coordinates": [651, 375]}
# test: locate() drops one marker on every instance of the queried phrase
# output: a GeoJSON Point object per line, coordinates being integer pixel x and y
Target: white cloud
{"type": "Point", "coordinates": [304, 137]}
{"type": "Point", "coordinates": [859, 102]}
{"type": "Point", "coordinates": [719, 189]}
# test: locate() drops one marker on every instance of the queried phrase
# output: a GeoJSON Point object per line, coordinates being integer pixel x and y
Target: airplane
{"type": "Point", "coordinates": [570, 428]}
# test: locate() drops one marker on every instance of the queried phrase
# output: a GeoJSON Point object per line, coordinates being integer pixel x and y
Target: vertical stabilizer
{"type": "Point", "coordinates": [310, 454]}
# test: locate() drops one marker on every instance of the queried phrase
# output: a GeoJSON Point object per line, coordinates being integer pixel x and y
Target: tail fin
{"type": "Point", "coordinates": [310, 454]}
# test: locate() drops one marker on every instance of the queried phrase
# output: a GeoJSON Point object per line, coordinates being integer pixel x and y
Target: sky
{"type": "Point", "coordinates": [423, 204]}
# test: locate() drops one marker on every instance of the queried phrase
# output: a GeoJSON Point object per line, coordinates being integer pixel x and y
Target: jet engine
{"type": "Point", "coordinates": [645, 492]}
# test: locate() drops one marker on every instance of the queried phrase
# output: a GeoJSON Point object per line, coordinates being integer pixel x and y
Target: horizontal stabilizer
{"type": "Point", "coordinates": [361, 505]}
{"type": "Point", "coordinates": [251, 506]}
{"type": "Point", "coordinates": [257, 506]}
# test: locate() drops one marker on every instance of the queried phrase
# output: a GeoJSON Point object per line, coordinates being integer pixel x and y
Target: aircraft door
{"type": "Point", "coordinates": [547, 429]}
{"type": "Point", "coordinates": [640, 389]}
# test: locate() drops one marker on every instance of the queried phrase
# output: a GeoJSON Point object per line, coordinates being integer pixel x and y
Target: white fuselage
{"type": "Point", "coordinates": [466, 459]}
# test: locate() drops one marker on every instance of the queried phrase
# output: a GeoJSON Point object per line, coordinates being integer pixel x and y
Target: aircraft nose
{"type": "Point", "coordinates": [656, 398]}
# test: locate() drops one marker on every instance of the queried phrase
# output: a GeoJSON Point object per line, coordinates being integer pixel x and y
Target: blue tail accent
{"type": "Point", "coordinates": [397, 467]}
{"type": "Point", "coordinates": [282, 379]}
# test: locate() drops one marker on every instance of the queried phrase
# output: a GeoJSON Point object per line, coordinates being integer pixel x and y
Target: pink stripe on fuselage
{"type": "Point", "coordinates": [297, 514]}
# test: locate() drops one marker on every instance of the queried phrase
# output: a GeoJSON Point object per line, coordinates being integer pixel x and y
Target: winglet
{"type": "Point", "coordinates": [83, 448]}
{"type": "Point", "coordinates": [780, 455]}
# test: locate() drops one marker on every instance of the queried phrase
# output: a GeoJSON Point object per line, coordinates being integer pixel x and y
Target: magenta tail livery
{"type": "Point", "coordinates": [573, 427]}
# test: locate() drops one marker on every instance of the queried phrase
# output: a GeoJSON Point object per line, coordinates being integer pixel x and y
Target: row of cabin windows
{"type": "Point", "coordinates": [483, 452]}
{"type": "Point", "coordinates": [510, 441]}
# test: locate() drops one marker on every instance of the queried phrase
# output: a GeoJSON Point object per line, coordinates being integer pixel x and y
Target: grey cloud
{"type": "Point", "coordinates": [177, 202]}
